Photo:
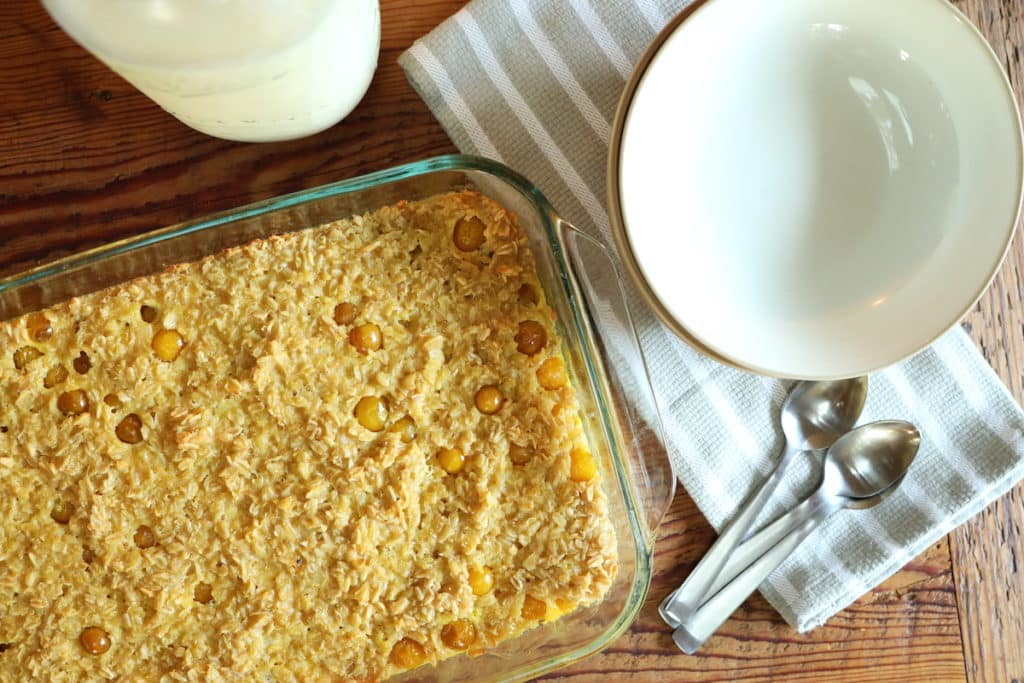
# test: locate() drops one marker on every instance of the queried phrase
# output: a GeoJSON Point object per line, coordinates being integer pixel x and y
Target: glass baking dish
{"type": "Point", "coordinates": [618, 407]}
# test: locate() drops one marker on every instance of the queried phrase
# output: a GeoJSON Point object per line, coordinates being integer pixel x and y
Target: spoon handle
{"type": "Point", "coordinates": [680, 604]}
{"type": "Point", "coordinates": [704, 621]}
{"type": "Point", "coordinates": [759, 543]}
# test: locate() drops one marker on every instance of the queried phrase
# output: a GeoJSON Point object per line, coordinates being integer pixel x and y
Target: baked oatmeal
{"type": "Point", "coordinates": [335, 454]}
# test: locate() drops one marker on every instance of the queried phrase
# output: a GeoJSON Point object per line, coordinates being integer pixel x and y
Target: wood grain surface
{"type": "Point", "coordinates": [988, 551]}
{"type": "Point", "coordinates": [86, 158]}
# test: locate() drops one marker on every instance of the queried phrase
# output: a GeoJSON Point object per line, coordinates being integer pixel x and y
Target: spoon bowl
{"type": "Point", "coordinates": [816, 414]}
{"type": "Point", "coordinates": [870, 460]}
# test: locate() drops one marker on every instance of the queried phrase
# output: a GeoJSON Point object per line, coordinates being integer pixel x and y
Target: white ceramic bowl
{"type": "Point", "coordinates": [816, 188]}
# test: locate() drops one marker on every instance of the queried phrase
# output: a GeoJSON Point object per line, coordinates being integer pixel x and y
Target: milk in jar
{"type": "Point", "coordinates": [247, 70]}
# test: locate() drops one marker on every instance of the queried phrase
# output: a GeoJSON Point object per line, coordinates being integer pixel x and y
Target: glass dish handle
{"type": "Point", "coordinates": [635, 414]}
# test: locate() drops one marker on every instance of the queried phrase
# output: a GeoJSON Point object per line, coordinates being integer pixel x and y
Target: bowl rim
{"type": "Point", "coordinates": [631, 265]}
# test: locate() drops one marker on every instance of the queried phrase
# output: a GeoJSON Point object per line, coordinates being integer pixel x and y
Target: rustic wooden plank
{"type": "Point", "coordinates": [906, 629]}
{"type": "Point", "coordinates": [988, 551]}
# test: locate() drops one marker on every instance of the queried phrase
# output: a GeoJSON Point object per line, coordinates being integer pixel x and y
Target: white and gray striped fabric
{"type": "Point", "coordinates": [534, 84]}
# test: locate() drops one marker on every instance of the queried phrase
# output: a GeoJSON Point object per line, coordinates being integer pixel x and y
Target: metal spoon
{"type": "Point", "coordinates": [764, 540]}
{"type": "Point", "coordinates": [814, 415]}
{"type": "Point", "coordinates": [861, 469]}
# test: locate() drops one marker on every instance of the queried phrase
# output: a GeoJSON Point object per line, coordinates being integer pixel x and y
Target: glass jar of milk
{"type": "Point", "coordinates": [249, 70]}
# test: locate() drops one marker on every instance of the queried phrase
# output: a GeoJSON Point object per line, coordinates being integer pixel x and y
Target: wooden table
{"type": "Point", "coordinates": [86, 158]}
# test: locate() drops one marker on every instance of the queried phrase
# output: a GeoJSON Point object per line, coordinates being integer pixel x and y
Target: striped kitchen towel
{"type": "Point", "coordinates": [534, 84]}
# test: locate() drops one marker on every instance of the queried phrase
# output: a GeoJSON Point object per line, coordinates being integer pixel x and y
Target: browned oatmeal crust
{"type": "Point", "coordinates": [245, 524]}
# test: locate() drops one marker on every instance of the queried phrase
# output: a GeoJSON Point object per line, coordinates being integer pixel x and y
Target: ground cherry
{"type": "Point", "coordinates": [489, 399]}
{"type": "Point", "coordinates": [405, 428]}
{"type": "Point", "coordinates": [581, 465]}
{"type": "Point", "coordinates": [458, 634]}
{"type": "Point", "coordinates": [73, 402]}
{"type": "Point", "coordinates": [372, 413]}
{"type": "Point", "coordinates": [451, 460]}
{"type": "Point", "coordinates": [82, 364]}
{"type": "Point", "coordinates": [481, 580]}
{"type": "Point", "coordinates": [144, 537]}
{"type": "Point", "coordinates": [167, 344]}
{"type": "Point", "coordinates": [148, 314]}
{"type": "Point", "coordinates": [366, 338]}
{"type": "Point", "coordinates": [39, 327]}
{"type": "Point", "coordinates": [468, 234]}
{"type": "Point", "coordinates": [94, 640]}
{"type": "Point", "coordinates": [345, 313]}
{"type": "Point", "coordinates": [527, 295]}
{"type": "Point", "coordinates": [62, 511]}
{"type": "Point", "coordinates": [203, 593]}
{"type": "Point", "coordinates": [519, 455]}
{"type": "Point", "coordinates": [129, 429]}
{"type": "Point", "coordinates": [531, 337]}
{"type": "Point", "coordinates": [533, 609]}
{"type": "Point", "coordinates": [25, 355]}
{"type": "Point", "coordinates": [408, 653]}
{"type": "Point", "coordinates": [551, 374]}
{"type": "Point", "coordinates": [54, 376]}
